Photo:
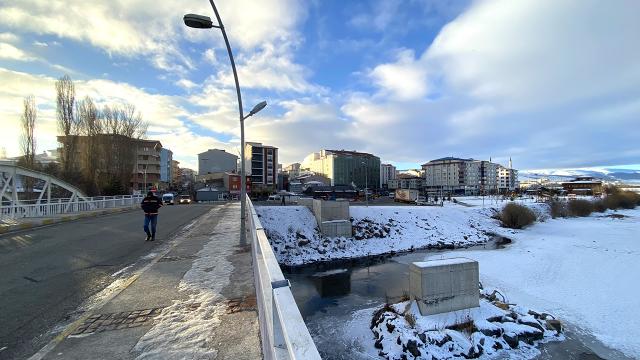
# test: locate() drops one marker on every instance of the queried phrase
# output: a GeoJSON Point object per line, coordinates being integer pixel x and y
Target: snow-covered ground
{"type": "Point", "coordinates": [295, 239]}
{"type": "Point", "coordinates": [583, 270]}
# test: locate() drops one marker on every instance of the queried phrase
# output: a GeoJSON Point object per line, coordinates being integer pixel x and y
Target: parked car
{"type": "Point", "coordinates": [185, 199]}
{"type": "Point", "coordinates": [168, 199]}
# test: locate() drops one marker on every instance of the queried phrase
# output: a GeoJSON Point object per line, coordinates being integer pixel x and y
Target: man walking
{"type": "Point", "coordinates": [150, 205]}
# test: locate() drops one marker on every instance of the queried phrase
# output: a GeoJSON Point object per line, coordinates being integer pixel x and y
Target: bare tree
{"type": "Point", "coordinates": [28, 122]}
{"type": "Point", "coordinates": [67, 124]}
{"type": "Point", "coordinates": [27, 140]}
{"type": "Point", "coordinates": [90, 127]}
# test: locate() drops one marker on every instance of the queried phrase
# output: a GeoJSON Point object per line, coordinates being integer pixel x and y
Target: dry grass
{"type": "Point", "coordinates": [516, 216]}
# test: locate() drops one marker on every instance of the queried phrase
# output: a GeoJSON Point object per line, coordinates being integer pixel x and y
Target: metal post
{"type": "Point", "coordinates": [243, 177]}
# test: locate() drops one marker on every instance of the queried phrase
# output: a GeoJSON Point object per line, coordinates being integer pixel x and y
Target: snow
{"type": "Point", "coordinates": [289, 227]}
{"type": "Point", "coordinates": [184, 330]}
{"type": "Point", "coordinates": [442, 262]}
{"type": "Point", "coordinates": [583, 270]}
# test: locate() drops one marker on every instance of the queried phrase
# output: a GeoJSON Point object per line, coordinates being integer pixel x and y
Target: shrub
{"type": "Point", "coordinates": [516, 216]}
{"type": "Point", "coordinates": [599, 206]}
{"type": "Point", "coordinates": [622, 199]}
{"type": "Point", "coordinates": [558, 209]}
{"type": "Point", "coordinates": [580, 208]}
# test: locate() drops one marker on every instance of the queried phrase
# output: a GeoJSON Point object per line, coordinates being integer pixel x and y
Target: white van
{"type": "Point", "coordinates": [168, 199]}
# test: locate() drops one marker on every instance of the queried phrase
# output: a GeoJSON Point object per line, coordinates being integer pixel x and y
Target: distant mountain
{"type": "Point", "coordinates": [606, 174]}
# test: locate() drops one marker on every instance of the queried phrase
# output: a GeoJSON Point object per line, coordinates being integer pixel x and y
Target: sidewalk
{"type": "Point", "coordinates": [9, 225]}
{"type": "Point", "coordinates": [195, 301]}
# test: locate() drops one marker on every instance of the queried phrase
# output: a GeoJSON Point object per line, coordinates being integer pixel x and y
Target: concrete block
{"type": "Point", "coordinates": [336, 228]}
{"type": "Point", "coordinates": [446, 285]}
{"type": "Point", "coordinates": [330, 210]}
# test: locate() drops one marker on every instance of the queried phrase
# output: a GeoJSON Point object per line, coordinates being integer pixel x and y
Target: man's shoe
{"type": "Point", "coordinates": [148, 237]}
{"type": "Point", "coordinates": [153, 238]}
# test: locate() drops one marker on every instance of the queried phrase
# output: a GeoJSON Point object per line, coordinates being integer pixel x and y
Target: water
{"type": "Point", "coordinates": [332, 298]}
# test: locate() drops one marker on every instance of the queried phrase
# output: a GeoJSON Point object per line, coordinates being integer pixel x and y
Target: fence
{"type": "Point", "coordinates": [42, 208]}
{"type": "Point", "coordinates": [283, 332]}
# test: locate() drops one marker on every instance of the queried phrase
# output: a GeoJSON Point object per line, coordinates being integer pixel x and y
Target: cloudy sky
{"type": "Point", "coordinates": [552, 84]}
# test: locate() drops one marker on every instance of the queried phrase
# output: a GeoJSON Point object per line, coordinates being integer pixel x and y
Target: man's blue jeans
{"type": "Point", "coordinates": [150, 220]}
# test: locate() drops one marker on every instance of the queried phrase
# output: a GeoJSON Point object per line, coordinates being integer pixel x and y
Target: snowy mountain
{"type": "Point", "coordinates": [606, 174]}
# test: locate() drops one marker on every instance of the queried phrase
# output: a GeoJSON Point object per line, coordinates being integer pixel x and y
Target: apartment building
{"type": "Point", "coordinates": [293, 170]}
{"type": "Point", "coordinates": [463, 176]}
{"type": "Point", "coordinates": [216, 160]}
{"type": "Point", "coordinates": [166, 158]}
{"type": "Point", "coordinates": [387, 172]}
{"type": "Point", "coordinates": [148, 166]}
{"type": "Point", "coordinates": [507, 178]}
{"type": "Point", "coordinates": [261, 162]}
{"type": "Point", "coordinates": [406, 181]}
{"type": "Point", "coordinates": [343, 167]}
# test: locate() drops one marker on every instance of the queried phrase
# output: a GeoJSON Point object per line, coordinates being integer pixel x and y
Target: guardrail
{"type": "Point", "coordinates": [283, 332]}
{"type": "Point", "coordinates": [66, 206]}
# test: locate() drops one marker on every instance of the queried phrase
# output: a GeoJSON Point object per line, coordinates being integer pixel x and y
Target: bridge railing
{"type": "Point", "coordinates": [282, 330]}
{"type": "Point", "coordinates": [53, 207]}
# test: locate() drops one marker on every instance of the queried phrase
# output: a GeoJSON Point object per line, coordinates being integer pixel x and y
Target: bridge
{"type": "Point", "coordinates": [50, 196]}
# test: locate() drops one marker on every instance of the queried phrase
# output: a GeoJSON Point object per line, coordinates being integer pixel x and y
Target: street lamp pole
{"type": "Point", "coordinates": [204, 22]}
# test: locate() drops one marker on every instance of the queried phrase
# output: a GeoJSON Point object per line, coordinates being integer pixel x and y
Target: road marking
{"type": "Point", "coordinates": [118, 288]}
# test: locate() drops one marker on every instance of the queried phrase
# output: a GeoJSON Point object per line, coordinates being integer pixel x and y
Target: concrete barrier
{"type": "Point", "coordinates": [336, 228]}
{"type": "Point", "coordinates": [440, 286]}
{"type": "Point", "coordinates": [330, 210]}
{"type": "Point", "coordinates": [308, 202]}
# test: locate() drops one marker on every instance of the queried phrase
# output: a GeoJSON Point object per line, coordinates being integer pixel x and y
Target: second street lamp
{"type": "Point", "coordinates": [204, 22]}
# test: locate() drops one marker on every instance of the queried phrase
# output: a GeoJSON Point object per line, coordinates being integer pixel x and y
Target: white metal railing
{"type": "Point", "coordinates": [29, 209]}
{"type": "Point", "coordinates": [283, 332]}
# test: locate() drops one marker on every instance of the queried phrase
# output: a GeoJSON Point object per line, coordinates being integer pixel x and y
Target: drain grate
{"type": "Point", "coordinates": [245, 303]}
{"type": "Point", "coordinates": [177, 258]}
{"type": "Point", "coordinates": [117, 321]}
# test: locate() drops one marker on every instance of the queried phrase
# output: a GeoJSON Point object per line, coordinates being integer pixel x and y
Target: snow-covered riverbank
{"type": "Point", "coordinates": [295, 239]}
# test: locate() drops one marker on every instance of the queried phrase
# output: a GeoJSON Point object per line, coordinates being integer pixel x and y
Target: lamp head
{"type": "Point", "coordinates": [198, 21]}
{"type": "Point", "coordinates": [257, 108]}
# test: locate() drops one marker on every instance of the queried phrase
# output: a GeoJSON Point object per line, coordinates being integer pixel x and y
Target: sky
{"type": "Point", "coordinates": [549, 84]}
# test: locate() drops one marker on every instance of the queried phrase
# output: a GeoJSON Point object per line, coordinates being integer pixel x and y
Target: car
{"type": "Point", "coordinates": [274, 198]}
{"type": "Point", "coordinates": [168, 199]}
{"type": "Point", "coordinates": [185, 199]}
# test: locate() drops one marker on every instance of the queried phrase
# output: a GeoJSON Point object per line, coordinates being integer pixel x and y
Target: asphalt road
{"type": "Point", "coordinates": [46, 273]}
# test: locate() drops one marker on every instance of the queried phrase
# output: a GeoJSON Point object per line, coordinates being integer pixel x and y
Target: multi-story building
{"type": "Point", "coordinates": [166, 157]}
{"type": "Point", "coordinates": [387, 172]}
{"type": "Point", "coordinates": [216, 160]}
{"type": "Point", "coordinates": [507, 178]}
{"type": "Point", "coordinates": [261, 163]}
{"type": "Point", "coordinates": [463, 176]}
{"type": "Point", "coordinates": [147, 168]}
{"type": "Point", "coordinates": [405, 181]}
{"type": "Point", "coordinates": [293, 170]}
{"type": "Point", "coordinates": [345, 167]}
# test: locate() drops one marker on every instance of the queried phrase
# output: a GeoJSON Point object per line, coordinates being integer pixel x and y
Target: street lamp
{"type": "Point", "coordinates": [204, 22]}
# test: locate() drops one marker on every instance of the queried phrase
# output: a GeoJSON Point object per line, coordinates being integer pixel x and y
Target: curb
{"type": "Point", "coordinates": [5, 229]}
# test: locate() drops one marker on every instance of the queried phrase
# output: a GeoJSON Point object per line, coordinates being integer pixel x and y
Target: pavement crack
{"type": "Point", "coordinates": [31, 279]}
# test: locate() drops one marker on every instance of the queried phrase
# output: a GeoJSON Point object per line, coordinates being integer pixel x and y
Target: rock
{"type": "Point", "coordinates": [378, 344]}
{"type": "Point", "coordinates": [444, 340]}
{"type": "Point", "coordinates": [382, 354]}
{"type": "Point", "coordinates": [491, 332]}
{"type": "Point", "coordinates": [554, 325]}
{"type": "Point", "coordinates": [390, 328]}
{"type": "Point", "coordinates": [501, 305]}
{"type": "Point", "coordinates": [422, 338]}
{"type": "Point", "coordinates": [398, 341]}
{"type": "Point", "coordinates": [300, 235]}
{"type": "Point", "coordinates": [303, 242]}
{"type": "Point", "coordinates": [412, 347]}
{"type": "Point", "coordinates": [533, 325]}
{"type": "Point", "coordinates": [534, 314]}
{"type": "Point", "coordinates": [530, 336]}
{"type": "Point", "coordinates": [497, 346]}
{"type": "Point", "coordinates": [512, 340]}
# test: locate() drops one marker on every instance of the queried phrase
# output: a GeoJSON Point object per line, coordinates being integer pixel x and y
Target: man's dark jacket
{"type": "Point", "coordinates": [150, 205]}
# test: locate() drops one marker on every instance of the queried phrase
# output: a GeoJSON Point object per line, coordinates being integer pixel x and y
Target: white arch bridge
{"type": "Point", "coordinates": [29, 193]}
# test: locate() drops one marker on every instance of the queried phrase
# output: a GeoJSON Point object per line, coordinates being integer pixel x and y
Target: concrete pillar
{"type": "Point", "coordinates": [440, 286]}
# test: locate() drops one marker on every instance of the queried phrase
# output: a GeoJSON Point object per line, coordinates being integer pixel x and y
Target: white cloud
{"type": "Point", "coordinates": [9, 37]}
{"type": "Point", "coordinates": [406, 79]}
{"type": "Point", "coordinates": [10, 52]}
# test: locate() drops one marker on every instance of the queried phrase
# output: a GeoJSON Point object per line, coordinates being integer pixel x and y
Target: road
{"type": "Point", "coordinates": [46, 273]}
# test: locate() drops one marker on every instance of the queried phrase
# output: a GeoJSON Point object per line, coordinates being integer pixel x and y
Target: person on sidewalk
{"type": "Point", "coordinates": [150, 205]}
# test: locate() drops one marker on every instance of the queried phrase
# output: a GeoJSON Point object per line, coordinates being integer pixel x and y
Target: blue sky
{"type": "Point", "coordinates": [551, 85]}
